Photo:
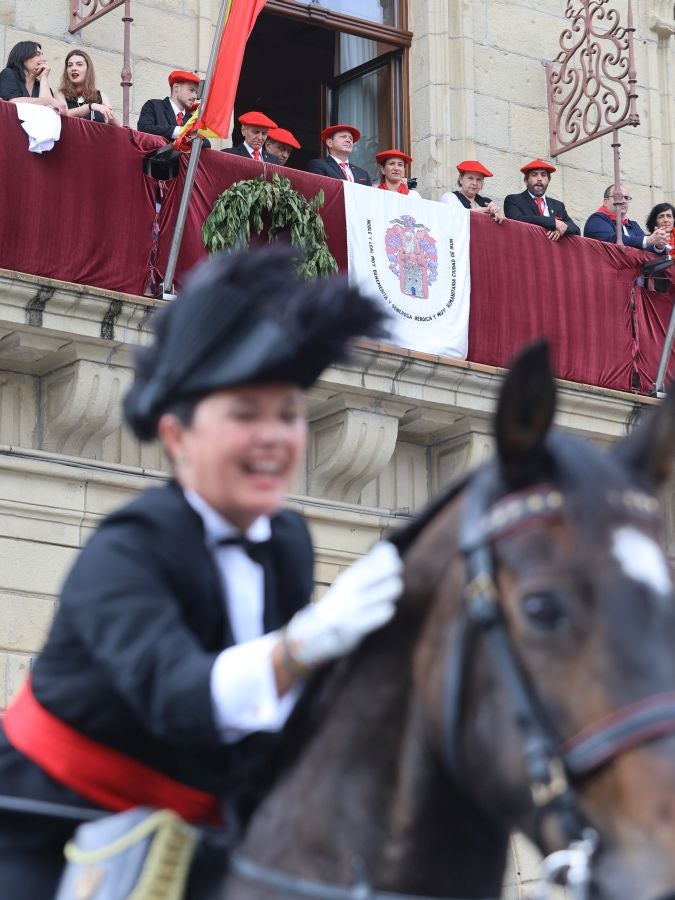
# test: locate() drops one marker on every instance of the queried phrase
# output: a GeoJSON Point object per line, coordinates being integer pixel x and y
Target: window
{"type": "Point", "coordinates": [312, 64]}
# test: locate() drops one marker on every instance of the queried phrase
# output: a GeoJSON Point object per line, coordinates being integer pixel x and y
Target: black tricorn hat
{"type": "Point", "coordinates": [245, 318]}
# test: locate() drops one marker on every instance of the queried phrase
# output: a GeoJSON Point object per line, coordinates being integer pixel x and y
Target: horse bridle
{"type": "Point", "coordinates": [554, 766]}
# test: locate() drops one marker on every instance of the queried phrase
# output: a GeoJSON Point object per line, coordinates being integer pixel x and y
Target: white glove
{"type": "Point", "coordinates": [361, 599]}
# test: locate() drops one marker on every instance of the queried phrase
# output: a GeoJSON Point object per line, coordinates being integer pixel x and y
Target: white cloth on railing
{"type": "Point", "coordinates": [42, 125]}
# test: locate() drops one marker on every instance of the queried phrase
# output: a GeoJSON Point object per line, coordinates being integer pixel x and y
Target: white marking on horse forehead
{"type": "Point", "coordinates": [642, 559]}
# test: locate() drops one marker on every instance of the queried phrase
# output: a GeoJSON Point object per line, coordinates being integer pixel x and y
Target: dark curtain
{"type": "Point", "coordinates": [81, 212]}
{"type": "Point", "coordinates": [576, 292]}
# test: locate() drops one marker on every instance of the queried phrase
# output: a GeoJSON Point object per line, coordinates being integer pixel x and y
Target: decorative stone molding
{"type": "Point", "coordinates": [81, 407]}
{"type": "Point", "coordinates": [661, 18]}
{"type": "Point", "coordinates": [349, 449]}
{"type": "Point", "coordinates": [468, 444]}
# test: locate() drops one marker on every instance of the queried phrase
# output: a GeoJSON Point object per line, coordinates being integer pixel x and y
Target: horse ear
{"type": "Point", "coordinates": [525, 409]}
{"type": "Point", "coordinates": [649, 450]}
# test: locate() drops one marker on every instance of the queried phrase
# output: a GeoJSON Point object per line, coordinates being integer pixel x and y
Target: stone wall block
{"type": "Point", "coordinates": [25, 621]}
{"type": "Point", "coordinates": [402, 484]}
{"type": "Point", "coordinates": [492, 121]}
{"type": "Point", "coordinates": [349, 449]}
{"type": "Point", "coordinates": [82, 406]}
{"type": "Point", "coordinates": [509, 25]}
{"type": "Point", "coordinates": [468, 446]}
{"type": "Point", "coordinates": [14, 668]}
{"type": "Point", "coordinates": [510, 76]}
{"type": "Point", "coordinates": [18, 409]}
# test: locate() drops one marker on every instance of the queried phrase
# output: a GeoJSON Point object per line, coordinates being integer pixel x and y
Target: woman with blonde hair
{"type": "Point", "coordinates": [79, 92]}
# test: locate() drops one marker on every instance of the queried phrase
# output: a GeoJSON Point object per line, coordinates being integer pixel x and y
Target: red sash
{"type": "Point", "coordinates": [102, 775]}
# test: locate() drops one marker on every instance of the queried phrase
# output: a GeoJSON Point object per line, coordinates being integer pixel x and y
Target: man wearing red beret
{"type": "Point", "coordinates": [166, 117]}
{"type": "Point", "coordinates": [535, 207]}
{"type": "Point", "coordinates": [280, 143]}
{"type": "Point", "coordinates": [339, 141]}
{"type": "Point", "coordinates": [254, 129]}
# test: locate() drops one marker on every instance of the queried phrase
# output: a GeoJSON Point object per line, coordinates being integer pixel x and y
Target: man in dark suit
{"type": "Point", "coordinates": [280, 143]}
{"type": "Point", "coordinates": [254, 129]}
{"type": "Point", "coordinates": [166, 117]}
{"type": "Point", "coordinates": [601, 224]}
{"type": "Point", "coordinates": [535, 207]}
{"type": "Point", "coordinates": [339, 141]}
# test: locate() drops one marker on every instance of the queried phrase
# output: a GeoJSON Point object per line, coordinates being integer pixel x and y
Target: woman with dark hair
{"type": "Point", "coordinates": [184, 630]}
{"type": "Point", "coordinates": [392, 165]}
{"type": "Point", "coordinates": [79, 92]}
{"type": "Point", "coordinates": [663, 216]}
{"type": "Point", "coordinates": [26, 77]}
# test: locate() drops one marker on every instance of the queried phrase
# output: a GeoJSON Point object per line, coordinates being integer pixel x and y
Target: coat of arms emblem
{"type": "Point", "coordinates": [412, 255]}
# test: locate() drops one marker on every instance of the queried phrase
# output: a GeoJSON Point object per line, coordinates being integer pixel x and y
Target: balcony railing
{"type": "Point", "coordinates": [86, 213]}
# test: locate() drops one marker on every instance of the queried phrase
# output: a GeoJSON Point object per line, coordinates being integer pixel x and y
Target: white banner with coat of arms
{"type": "Point", "coordinates": [413, 255]}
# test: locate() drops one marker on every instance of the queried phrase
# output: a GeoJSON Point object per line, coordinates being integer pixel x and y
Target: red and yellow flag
{"type": "Point", "coordinates": [217, 110]}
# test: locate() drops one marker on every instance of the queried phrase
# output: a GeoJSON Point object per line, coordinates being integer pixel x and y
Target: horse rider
{"type": "Point", "coordinates": [184, 632]}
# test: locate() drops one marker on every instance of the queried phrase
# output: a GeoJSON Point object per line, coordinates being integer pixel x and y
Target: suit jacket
{"type": "Point", "coordinates": [158, 117]}
{"type": "Point", "coordinates": [240, 150]}
{"type": "Point", "coordinates": [522, 208]}
{"type": "Point", "coordinates": [140, 623]}
{"type": "Point", "coordinates": [603, 228]}
{"type": "Point", "coordinates": [331, 169]}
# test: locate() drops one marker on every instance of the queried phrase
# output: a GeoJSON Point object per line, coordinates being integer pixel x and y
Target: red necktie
{"type": "Point", "coordinates": [256, 154]}
{"type": "Point", "coordinates": [179, 118]}
{"type": "Point", "coordinates": [540, 203]}
{"type": "Point", "coordinates": [345, 172]}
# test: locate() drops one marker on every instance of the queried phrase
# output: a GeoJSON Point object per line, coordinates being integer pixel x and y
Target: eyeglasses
{"type": "Point", "coordinates": [625, 197]}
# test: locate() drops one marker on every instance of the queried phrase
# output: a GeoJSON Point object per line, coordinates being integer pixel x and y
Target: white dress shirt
{"type": "Point", "coordinates": [243, 688]}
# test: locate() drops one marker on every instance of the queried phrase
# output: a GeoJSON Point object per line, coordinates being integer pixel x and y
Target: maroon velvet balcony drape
{"type": "Point", "coordinates": [84, 212]}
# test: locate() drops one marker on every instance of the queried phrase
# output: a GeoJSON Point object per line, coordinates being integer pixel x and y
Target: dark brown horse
{"type": "Point", "coordinates": [541, 697]}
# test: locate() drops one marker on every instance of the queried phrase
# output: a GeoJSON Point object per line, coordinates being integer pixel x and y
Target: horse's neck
{"type": "Point", "coordinates": [333, 805]}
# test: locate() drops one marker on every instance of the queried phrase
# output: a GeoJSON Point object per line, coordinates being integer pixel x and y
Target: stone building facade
{"type": "Point", "coordinates": [387, 433]}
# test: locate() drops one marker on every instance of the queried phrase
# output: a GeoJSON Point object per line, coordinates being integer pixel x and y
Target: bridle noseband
{"type": "Point", "coordinates": [553, 766]}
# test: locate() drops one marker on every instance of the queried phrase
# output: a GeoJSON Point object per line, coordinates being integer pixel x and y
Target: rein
{"type": "Point", "coordinates": [255, 873]}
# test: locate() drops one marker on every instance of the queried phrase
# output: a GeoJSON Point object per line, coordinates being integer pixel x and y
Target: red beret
{"type": "Point", "coordinates": [384, 155]}
{"type": "Point", "coordinates": [283, 136]}
{"type": "Point", "coordinates": [256, 118]}
{"type": "Point", "coordinates": [472, 165]}
{"type": "Point", "coordinates": [180, 75]}
{"type": "Point", "coordinates": [537, 164]}
{"type": "Point", "coordinates": [333, 129]}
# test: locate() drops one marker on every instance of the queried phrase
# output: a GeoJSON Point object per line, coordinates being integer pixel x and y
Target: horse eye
{"type": "Point", "coordinates": [545, 611]}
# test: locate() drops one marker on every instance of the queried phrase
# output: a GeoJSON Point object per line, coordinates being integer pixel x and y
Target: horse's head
{"type": "Point", "coordinates": [550, 685]}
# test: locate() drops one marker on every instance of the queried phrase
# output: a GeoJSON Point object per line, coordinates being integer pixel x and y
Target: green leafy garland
{"type": "Point", "coordinates": [246, 204]}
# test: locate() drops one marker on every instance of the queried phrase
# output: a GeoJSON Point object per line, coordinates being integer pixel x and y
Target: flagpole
{"type": "Point", "coordinates": [196, 149]}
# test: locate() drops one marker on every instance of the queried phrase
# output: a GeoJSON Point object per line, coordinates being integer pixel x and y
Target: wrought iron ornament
{"type": "Point", "coordinates": [591, 82]}
{"type": "Point", "coordinates": [85, 11]}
